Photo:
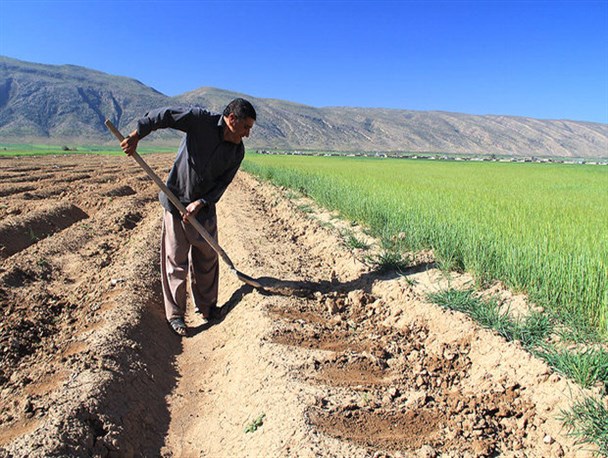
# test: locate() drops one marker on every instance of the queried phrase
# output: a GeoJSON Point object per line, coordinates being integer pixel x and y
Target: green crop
{"type": "Point", "coordinates": [540, 228]}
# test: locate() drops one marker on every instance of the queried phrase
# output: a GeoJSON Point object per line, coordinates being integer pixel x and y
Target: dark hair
{"type": "Point", "coordinates": [241, 108]}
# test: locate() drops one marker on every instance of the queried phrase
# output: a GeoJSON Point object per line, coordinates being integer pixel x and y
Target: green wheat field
{"type": "Point", "coordinates": [542, 229]}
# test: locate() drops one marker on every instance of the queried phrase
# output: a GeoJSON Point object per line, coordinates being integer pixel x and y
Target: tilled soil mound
{"type": "Point", "coordinates": [328, 359]}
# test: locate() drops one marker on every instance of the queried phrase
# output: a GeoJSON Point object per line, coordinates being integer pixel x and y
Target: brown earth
{"type": "Point", "coordinates": [330, 359]}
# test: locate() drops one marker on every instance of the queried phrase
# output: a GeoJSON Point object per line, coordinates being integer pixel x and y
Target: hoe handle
{"type": "Point", "coordinates": [174, 200]}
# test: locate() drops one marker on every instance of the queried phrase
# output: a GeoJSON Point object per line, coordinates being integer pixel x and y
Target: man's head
{"type": "Point", "coordinates": [239, 117]}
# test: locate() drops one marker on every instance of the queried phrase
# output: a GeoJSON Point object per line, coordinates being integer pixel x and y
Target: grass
{"type": "Point", "coordinates": [533, 226]}
{"type": "Point", "coordinates": [577, 329]}
{"type": "Point", "coordinates": [588, 421]}
{"type": "Point", "coordinates": [530, 331]}
{"type": "Point", "coordinates": [354, 242]}
{"type": "Point", "coordinates": [586, 367]}
{"type": "Point", "coordinates": [32, 235]}
{"type": "Point", "coordinates": [588, 418]}
{"type": "Point", "coordinates": [305, 208]}
{"type": "Point", "coordinates": [255, 424]}
{"type": "Point", "coordinates": [390, 260]}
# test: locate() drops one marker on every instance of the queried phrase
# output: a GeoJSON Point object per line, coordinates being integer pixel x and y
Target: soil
{"type": "Point", "coordinates": [329, 359]}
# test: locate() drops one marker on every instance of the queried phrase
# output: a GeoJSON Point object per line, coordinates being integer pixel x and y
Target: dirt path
{"type": "Point", "coordinates": [331, 360]}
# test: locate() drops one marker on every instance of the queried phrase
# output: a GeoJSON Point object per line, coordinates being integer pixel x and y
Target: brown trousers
{"type": "Point", "coordinates": [184, 251]}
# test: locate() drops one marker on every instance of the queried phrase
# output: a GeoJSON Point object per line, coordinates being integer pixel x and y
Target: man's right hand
{"type": "Point", "coordinates": [129, 144]}
{"type": "Point", "coordinates": [192, 210]}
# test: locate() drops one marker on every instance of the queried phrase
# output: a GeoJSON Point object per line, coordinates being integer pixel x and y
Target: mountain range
{"type": "Point", "coordinates": [68, 104]}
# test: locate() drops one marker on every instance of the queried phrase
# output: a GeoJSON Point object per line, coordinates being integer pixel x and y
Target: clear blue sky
{"type": "Point", "coordinates": [543, 59]}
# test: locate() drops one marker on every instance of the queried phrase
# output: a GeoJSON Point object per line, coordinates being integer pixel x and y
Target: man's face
{"type": "Point", "coordinates": [238, 128]}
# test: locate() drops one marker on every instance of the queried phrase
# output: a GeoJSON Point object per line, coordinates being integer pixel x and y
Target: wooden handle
{"type": "Point", "coordinates": [174, 200]}
{"type": "Point", "coordinates": [114, 130]}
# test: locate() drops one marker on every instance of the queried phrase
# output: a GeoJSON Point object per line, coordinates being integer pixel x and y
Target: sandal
{"type": "Point", "coordinates": [216, 313]}
{"type": "Point", "coordinates": [178, 326]}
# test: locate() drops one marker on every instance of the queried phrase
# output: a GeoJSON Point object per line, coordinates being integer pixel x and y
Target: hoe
{"type": "Point", "coordinates": [175, 201]}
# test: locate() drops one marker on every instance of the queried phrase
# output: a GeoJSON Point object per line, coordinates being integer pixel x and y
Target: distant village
{"type": "Point", "coordinates": [441, 157]}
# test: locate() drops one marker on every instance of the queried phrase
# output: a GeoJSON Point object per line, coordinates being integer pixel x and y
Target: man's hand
{"type": "Point", "coordinates": [192, 209]}
{"type": "Point", "coordinates": [129, 144]}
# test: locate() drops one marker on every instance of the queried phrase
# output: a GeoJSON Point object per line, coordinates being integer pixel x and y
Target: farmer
{"type": "Point", "coordinates": [207, 161]}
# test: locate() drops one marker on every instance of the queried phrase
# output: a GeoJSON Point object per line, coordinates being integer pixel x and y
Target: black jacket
{"type": "Point", "coordinates": [205, 163]}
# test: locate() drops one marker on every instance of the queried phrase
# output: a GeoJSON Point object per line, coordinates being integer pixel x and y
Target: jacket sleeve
{"type": "Point", "coordinates": [169, 117]}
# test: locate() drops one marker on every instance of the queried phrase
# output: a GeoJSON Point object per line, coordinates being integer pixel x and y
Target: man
{"type": "Point", "coordinates": [208, 158]}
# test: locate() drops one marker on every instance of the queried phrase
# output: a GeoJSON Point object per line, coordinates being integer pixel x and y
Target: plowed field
{"type": "Point", "coordinates": [331, 359]}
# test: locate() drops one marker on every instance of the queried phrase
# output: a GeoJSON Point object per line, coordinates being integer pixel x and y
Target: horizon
{"type": "Point", "coordinates": [535, 59]}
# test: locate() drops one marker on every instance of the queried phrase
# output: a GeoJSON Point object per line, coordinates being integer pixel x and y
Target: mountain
{"type": "Point", "coordinates": [47, 102]}
{"type": "Point", "coordinates": [68, 104]}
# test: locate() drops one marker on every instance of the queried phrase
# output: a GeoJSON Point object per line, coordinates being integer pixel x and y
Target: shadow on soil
{"type": "Point", "coordinates": [225, 309]}
{"type": "Point", "coordinates": [275, 286]}
{"type": "Point", "coordinates": [272, 286]}
{"type": "Point", "coordinates": [137, 399]}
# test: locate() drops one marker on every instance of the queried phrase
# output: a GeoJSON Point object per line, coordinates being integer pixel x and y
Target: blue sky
{"type": "Point", "coordinates": [542, 59]}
